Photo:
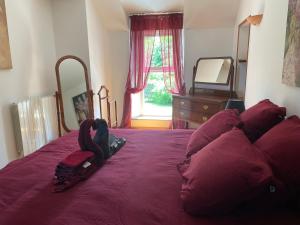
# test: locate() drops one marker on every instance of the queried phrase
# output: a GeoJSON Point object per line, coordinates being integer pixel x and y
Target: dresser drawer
{"type": "Point", "coordinates": [195, 106]}
{"type": "Point", "coordinates": [197, 109]}
{"type": "Point", "coordinates": [183, 114]}
{"type": "Point", "coordinates": [182, 103]}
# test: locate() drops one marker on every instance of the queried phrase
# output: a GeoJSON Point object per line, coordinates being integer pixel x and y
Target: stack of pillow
{"type": "Point", "coordinates": [242, 160]}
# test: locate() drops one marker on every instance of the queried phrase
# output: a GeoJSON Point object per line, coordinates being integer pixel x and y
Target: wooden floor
{"type": "Point", "coordinates": [150, 124]}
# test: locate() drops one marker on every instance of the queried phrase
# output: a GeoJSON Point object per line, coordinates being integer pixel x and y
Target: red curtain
{"type": "Point", "coordinates": [169, 27]}
{"type": "Point", "coordinates": [172, 57]}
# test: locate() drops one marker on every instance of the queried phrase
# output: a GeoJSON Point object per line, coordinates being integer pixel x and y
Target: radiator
{"type": "Point", "coordinates": [35, 123]}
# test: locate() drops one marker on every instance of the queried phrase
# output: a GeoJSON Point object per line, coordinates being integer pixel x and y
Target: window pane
{"type": "Point", "coordinates": [157, 100]}
{"type": "Point", "coordinates": [156, 57]}
{"type": "Point", "coordinates": [167, 45]}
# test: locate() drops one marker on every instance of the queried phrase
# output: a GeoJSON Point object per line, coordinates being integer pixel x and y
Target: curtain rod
{"type": "Point", "coordinates": [153, 13]}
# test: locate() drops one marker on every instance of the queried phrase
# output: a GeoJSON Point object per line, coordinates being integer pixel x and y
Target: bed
{"type": "Point", "coordinates": [138, 186]}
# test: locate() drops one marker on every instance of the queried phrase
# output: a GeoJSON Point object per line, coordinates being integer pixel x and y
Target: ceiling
{"type": "Point", "coordinates": [210, 13]}
{"type": "Point", "coordinates": [197, 13]}
{"type": "Point", "coordinates": [152, 6]}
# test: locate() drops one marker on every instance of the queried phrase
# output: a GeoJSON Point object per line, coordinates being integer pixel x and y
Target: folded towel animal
{"type": "Point", "coordinates": [80, 165]}
{"type": "Point", "coordinates": [87, 144]}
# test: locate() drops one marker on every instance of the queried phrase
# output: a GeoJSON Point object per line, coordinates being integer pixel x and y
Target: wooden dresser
{"type": "Point", "coordinates": [198, 108]}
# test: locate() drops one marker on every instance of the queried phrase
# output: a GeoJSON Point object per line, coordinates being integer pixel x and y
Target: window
{"type": "Point", "coordinates": [156, 101]}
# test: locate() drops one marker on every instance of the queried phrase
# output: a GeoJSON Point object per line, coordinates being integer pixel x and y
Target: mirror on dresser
{"type": "Point", "coordinates": [203, 102]}
{"type": "Point", "coordinates": [74, 96]}
{"type": "Point", "coordinates": [213, 71]}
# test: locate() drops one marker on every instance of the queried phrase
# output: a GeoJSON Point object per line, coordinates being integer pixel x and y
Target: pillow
{"type": "Point", "coordinates": [218, 124]}
{"type": "Point", "coordinates": [260, 118]}
{"type": "Point", "coordinates": [281, 146]}
{"type": "Point", "coordinates": [224, 174]}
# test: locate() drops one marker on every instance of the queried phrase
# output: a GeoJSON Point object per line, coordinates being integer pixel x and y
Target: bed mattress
{"type": "Point", "coordinates": [138, 186]}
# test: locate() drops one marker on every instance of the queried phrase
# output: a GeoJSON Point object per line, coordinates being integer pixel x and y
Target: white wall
{"type": "Point", "coordinates": [120, 61]}
{"type": "Point", "coordinates": [33, 55]}
{"type": "Point", "coordinates": [99, 52]}
{"type": "Point", "coordinates": [70, 27]}
{"type": "Point", "coordinates": [201, 43]}
{"type": "Point", "coordinates": [109, 58]}
{"type": "Point", "coordinates": [266, 55]}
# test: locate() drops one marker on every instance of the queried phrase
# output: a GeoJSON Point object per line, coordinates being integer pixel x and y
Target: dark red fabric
{"type": "Point", "coordinates": [260, 118]}
{"type": "Point", "coordinates": [77, 158]}
{"type": "Point", "coordinates": [172, 57]}
{"type": "Point", "coordinates": [71, 171]}
{"type": "Point", "coordinates": [281, 145]}
{"type": "Point", "coordinates": [218, 124]}
{"type": "Point", "coordinates": [137, 186]}
{"type": "Point", "coordinates": [63, 182]}
{"type": "Point", "coordinates": [139, 68]}
{"type": "Point", "coordinates": [226, 173]}
{"type": "Point", "coordinates": [157, 22]}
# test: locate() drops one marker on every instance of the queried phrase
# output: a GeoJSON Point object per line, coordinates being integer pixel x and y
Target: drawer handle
{"type": "Point", "coordinates": [181, 113]}
{"type": "Point", "coordinates": [205, 107]}
{"type": "Point", "coordinates": [204, 118]}
{"type": "Point", "coordinates": [182, 103]}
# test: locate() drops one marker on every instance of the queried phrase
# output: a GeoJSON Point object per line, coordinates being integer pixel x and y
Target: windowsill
{"type": "Point", "coordinates": [143, 117]}
{"type": "Point", "coordinates": [151, 122]}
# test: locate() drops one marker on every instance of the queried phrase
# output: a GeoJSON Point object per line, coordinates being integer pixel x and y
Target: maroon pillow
{"type": "Point", "coordinates": [258, 119]}
{"type": "Point", "coordinates": [224, 174]}
{"type": "Point", "coordinates": [281, 145]}
{"type": "Point", "coordinates": [218, 124]}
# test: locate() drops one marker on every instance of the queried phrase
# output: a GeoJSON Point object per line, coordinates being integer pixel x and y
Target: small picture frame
{"type": "Point", "coordinates": [291, 68]}
{"type": "Point", "coordinates": [81, 107]}
{"type": "Point", "coordinates": [5, 55]}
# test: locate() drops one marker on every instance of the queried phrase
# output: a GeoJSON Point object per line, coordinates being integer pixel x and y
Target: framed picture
{"type": "Point", "coordinates": [5, 56]}
{"type": "Point", "coordinates": [291, 67]}
{"type": "Point", "coordinates": [80, 103]}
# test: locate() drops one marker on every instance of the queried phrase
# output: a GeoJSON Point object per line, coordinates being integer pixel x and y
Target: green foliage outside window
{"type": "Point", "coordinates": [156, 57]}
{"type": "Point", "coordinates": [155, 92]}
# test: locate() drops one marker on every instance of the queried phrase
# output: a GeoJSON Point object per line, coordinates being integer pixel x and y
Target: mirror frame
{"type": "Point", "coordinates": [60, 105]}
{"type": "Point", "coordinates": [237, 61]}
{"type": "Point", "coordinates": [230, 73]}
{"type": "Point", "coordinates": [254, 20]}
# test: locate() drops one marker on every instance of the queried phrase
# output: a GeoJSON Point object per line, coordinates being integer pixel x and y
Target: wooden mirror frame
{"type": "Point", "coordinates": [60, 105]}
{"type": "Point", "coordinates": [229, 79]}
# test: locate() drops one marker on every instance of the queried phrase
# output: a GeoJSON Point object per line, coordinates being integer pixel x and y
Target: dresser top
{"type": "Point", "coordinates": [201, 98]}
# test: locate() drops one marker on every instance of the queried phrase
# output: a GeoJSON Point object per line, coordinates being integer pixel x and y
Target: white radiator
{"type": "Point", "coordinates": [35, 123]}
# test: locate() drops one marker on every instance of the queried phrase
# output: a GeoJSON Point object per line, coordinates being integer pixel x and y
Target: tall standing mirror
{"type": "Point", "coordinates": [242, 58]}
{"type": "Point", "coordinates": [242, 52]}
{"type": "Point", "coordinates": [74, 94]}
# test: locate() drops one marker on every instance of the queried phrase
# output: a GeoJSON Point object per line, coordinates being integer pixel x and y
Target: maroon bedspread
{"type": "Point", "coordinates": [137, 186]}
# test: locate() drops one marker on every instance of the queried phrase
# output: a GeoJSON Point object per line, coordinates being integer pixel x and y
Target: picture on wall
{"type": "Point", "coordinates": [5, 56]}
{"type": "Point", "coordinates": [80, 103]}
{"type": "Point", "coordinates": [291, 67]}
